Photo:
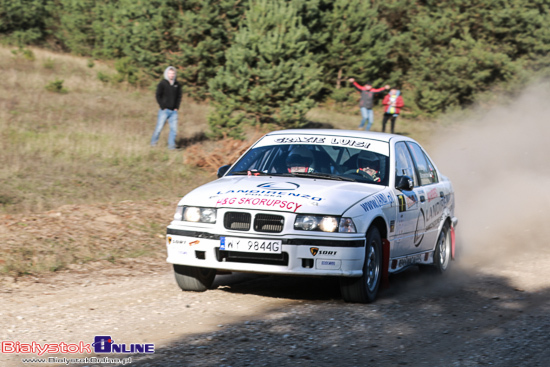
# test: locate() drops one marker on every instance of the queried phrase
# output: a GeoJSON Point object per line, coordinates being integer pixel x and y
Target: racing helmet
{"type": "Point", "coordinates": [300, 159]}
{"type": "Point", "coordinates": [368, 160]}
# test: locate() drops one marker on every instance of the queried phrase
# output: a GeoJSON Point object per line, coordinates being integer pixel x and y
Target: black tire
{"type": "Point", "coordinates": [190, 278]}
{"type": "Point", "coordinates": [364, 289]}
{"type": "Point", "coordinates": [442, 254]}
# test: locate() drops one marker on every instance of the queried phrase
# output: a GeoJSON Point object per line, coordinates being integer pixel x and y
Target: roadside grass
{"type": "Point", "coordinates": [90, 144]}
{"type": "Point", "coordinates": [74, 154]}
{"type": "Point", "coordinates": [79, 236]}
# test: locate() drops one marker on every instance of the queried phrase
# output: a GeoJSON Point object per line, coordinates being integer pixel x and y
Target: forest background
{"type": "Point", "coordinates": [270, 61]}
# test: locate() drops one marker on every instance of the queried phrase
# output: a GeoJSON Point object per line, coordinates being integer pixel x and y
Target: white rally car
{"type": "Point", "coordinates": [350, 204]}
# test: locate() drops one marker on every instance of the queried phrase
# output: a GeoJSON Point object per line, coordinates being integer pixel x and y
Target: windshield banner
{"type": "Point", "coordinates": [340, 141]}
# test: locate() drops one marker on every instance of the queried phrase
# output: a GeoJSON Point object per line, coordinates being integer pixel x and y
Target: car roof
{"type": "Point", "coordinates": [344, 133]}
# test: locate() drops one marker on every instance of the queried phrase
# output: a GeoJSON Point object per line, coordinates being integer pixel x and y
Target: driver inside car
{"type": "Point", "coordinates": [368, 166]}
{"type": "Point", "coordinates": [300, 160]}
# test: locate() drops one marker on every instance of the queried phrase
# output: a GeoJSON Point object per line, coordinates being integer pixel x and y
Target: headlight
{"type": "Point", "coordinates": [195, 214]}
{"type": "Point", "coordinates": [316, 223]}
{"type": "Point", "coordinates": [324, 223]}
{"type": "Point", "coordinates": [328, 224]}
{"type": "Point", "coordinates": [307, 222]}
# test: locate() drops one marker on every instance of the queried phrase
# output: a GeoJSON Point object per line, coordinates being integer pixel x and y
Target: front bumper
{"type": "Point", "coordinates": [316, 254]}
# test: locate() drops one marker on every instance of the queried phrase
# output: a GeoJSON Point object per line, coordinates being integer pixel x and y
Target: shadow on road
{"type": "Point", "coordinates": [463, 319]}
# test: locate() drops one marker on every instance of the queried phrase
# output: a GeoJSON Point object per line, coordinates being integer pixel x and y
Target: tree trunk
{"type": "Point", "coordinates": [339, 78]}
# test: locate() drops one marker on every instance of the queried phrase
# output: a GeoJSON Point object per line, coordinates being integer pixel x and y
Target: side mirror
{"type": "Point", "coordinates": [404, 183]}
{"type": "Point", "coordinates": [223, 170]}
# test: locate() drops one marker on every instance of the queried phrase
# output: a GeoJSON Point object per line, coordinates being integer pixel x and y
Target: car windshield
{"type": "Point", "coordinates": [317, 161]}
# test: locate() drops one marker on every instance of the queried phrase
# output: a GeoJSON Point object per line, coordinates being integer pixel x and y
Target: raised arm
{"type": "Point", "coordinates": [356, 85]}
{"type": "Point", "coordinates": [378, 90]}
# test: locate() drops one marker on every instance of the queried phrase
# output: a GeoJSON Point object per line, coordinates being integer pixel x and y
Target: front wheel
{"type": "Point", "coordinates": [190, 278]}
{"type": "Point", "coordinates": [365, 288]}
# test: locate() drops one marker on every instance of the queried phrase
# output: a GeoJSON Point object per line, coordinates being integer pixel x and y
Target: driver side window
{"type": "Point", "coordinates": [403, 162]}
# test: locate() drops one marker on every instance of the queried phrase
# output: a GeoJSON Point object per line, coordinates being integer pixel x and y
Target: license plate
{"type": "Point", "coordinates": [250, 245]}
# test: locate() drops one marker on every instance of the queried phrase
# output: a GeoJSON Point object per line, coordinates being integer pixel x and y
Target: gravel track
{"type": "Point", "coordinates": [474, 316]}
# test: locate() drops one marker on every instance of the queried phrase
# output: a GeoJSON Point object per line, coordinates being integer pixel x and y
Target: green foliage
{"type": "Point", "coordinates": [445, 56]}
{"type": "Point", "coordinates": [56, 86]}
{"type": "Point", "coordinates": [26, 53]}
{"type": "Point", "coordinates": [205, 31]}
{"type": "Point", "coordinates": [71, 24]}
{"type": "Point", "coordinates": [105, 78]}
{"type": "Point", "coordinates": [49, 63]}
{"type": "Point", "coordinates": [441, 54]}
{"type": "Point", "coordinates": [357, 45]}
{"type": "Point", "coordinates": [127, 71]}
{"type": "Point", "coordinates": [142, 31]}
{"type": "Point", "coordinates": [22, 22]}
{"type": "Point", "coordinates": [270, 75]}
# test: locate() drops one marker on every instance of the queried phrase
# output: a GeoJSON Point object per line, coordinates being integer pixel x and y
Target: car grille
{"type": "Point", "coordinates": [268, 223]}
{"type": "Point", "coordinates": [237, 221]}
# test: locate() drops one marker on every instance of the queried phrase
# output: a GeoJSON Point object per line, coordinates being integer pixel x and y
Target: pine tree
{"type": "Point", "coordinates": [269, 76]}
{"type": "Point", "coordinates": [72, 24]}
{"type": "Point", "coordinates": [357, 44]}
{"type": "Point", "coordinates": [23, 21]}
{"type": "Point", "coordinates": [206, 30]}
{"type": "Point", "coordinates": [143, 31]}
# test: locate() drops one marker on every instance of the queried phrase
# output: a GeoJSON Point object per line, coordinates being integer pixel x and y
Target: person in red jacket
{"type": "Point", "coordinates": [367, 101]}
{"type": "Point", "coordinates": [393, 102]}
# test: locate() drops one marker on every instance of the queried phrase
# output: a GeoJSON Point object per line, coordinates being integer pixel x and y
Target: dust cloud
{"type": "Point", "coordinates": [498, 162]}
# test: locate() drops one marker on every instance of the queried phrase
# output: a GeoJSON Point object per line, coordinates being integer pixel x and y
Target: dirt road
{"type": "Point", "coordinates": [477, 315]}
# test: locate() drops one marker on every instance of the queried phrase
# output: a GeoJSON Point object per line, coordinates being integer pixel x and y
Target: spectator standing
{"type": "Point", "coordinates": [367, 101]}
{"type": "Point", "coordinates": [168, 98]}
{"type": "Point", "coordinates": [393, 102]}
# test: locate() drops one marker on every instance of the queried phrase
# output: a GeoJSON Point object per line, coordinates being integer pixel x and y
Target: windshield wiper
{"type": "Point", "coordinates": [327, 176]}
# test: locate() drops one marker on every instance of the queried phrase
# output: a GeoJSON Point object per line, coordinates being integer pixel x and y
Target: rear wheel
{"type": "Point", "coordinates": [442, 255]}
{"type": "Point", "coordinates": [365, 288]}
{"type": "Point", "coordinates": [190, 278]}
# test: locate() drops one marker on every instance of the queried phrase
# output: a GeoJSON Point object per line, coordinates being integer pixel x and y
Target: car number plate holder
{"type": "Point", "coordinates": [251, 245]}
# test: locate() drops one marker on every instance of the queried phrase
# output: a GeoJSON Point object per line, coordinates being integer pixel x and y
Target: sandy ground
{"type": "Point", "coordinates": [478, 314]}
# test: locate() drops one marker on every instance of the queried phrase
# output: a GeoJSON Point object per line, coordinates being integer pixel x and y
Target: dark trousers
{"type": "Point", "coordinates": [387, 116]}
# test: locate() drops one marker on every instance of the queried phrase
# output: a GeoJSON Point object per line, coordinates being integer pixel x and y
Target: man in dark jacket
{"type": "Point", "coordinates": [169, 99]}
{"type": "Point", "coordinates": [367, 101]}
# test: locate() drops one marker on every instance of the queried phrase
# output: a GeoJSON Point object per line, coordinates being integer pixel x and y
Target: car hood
{"type": "Point", "coordinates": [289, 194]}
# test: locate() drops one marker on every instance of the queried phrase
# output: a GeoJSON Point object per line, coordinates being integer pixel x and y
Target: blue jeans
{"type": "Point", "coordinates": [368, 114]}
{"type": "Point", "coordinates": [172, 117]}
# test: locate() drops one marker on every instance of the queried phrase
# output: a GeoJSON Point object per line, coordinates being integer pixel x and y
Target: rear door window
{"type": "Point", "coordinates": [426, 171]}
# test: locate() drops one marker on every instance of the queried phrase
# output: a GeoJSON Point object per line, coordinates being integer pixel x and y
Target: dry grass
{"type": "Point", "coordinates": [78, 234]}
{"type": "Point", "coordinates": [90, 144]}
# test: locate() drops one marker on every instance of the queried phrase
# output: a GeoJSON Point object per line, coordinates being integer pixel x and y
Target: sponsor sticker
{"type": "Point", "coordinates": [264, 202]}
{"type": "Point", "coordinates": [341, 141]}
{"type": "Point", "coordinates": [377, 201]}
